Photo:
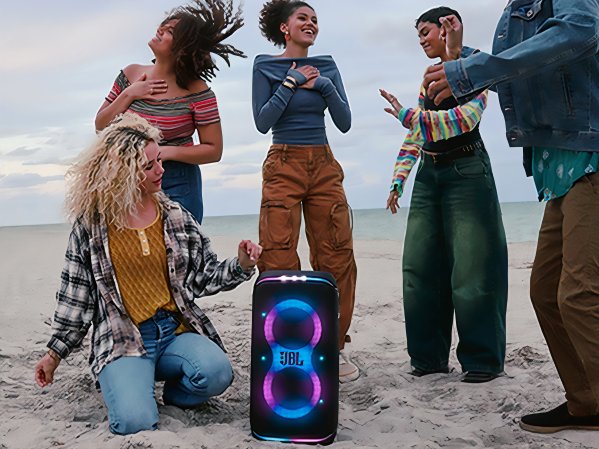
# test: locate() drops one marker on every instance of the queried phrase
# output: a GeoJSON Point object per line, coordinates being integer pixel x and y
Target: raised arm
{"type": "Point", "coordinates": [268, 107]}
{"type": "Point", "coordinates": [572, 33]}
{"type": "Point", "coordinates": [432, 126]}
{"type": "Point", "coordinates": [123, 94]}
{"type": "Point", "coordinates": [334, 95]}
{"type": "Point", "coordinates": [206, 274]}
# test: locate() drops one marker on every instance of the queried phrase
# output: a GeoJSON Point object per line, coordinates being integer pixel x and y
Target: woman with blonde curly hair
{"type": "Point", "coordinates": [173, 94]}
{"type": "Point", "coordinates": [134, 264]}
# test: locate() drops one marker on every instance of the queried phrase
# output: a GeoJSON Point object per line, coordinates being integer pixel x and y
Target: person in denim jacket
{"type": "Point", "coordinates": [545, 69]}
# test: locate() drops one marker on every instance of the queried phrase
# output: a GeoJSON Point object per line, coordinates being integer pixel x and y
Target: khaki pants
{"type": "Point", "coordinates": [308, 177]}
{"type": "Point", "coordinates": [564, 288]}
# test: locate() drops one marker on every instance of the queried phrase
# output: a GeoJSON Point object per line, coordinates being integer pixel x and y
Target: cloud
{"type": "Point", "coordinates": [61, 62]}
{"type": "Point", "coordinates": [22, 152]}
{"type": "Point", "coordinates": [247, 169]}
{"type": "Point", "coordinates": [23, 180]}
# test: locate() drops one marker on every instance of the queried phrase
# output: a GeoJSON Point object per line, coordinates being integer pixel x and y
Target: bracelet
{"type": "Point", "coordinates": [292, 80]}
{"type": "Point", "coordinates": [54, 356]}
{"type": "Point", "coordinates": [289, 85]}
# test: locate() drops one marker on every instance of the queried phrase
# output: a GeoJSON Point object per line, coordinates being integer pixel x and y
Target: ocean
{"type": "Point", "coordinates": [521, 221]}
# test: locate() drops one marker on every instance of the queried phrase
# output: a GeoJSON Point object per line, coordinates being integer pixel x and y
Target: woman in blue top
{"type": "Point", "coordinates": [291, 91]}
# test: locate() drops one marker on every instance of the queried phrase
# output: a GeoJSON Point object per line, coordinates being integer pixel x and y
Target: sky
{"type": "Point", "coordinates": [60, 58]}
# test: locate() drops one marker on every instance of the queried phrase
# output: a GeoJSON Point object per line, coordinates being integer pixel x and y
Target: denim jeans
{"type": "Point", "coordinates": [183, 183]}
{"type": "Point", "coordinates": [455, 260]}
{"type": "Point", "coordinates": [193, 367]}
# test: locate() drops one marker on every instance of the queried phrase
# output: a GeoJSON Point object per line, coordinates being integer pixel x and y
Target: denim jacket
{"type": "Point", "coordinates": [545, 68]}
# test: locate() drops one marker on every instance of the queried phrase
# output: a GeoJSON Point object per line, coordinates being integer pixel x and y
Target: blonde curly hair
{"type": "Point", "coordinates": [104, 183]}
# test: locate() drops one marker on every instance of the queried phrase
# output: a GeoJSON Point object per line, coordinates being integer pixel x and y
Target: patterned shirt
{"type": "Point", "coordinates": [431, 126]}
{"type": "Point", "coordinates": [556, 170]}
{"type": "Point", "coordinates": [177, 118]}
{"type": "Point", "coordinates": [89, 293]}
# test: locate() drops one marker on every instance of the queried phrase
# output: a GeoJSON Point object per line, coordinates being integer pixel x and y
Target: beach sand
{"type": "Point", "coordinates": [384, 408]}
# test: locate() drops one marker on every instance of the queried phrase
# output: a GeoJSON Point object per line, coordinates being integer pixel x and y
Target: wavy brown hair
{"type": "Point", "coordinates": [273, 14]}
{"type": "Point", "coordinates": [104, 183]}
{"type": "Point", "coordinates": [202, 27]}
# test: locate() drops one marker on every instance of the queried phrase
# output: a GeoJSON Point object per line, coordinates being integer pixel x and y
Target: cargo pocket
{"type": "Point", "coordinates": [338, 168]}
{"type": "Point", "coordinates": [341, 226]}
{"type": "Point", "coordinates": [275, 226]}
{"type": "Point", "coordinates": [270, 166]}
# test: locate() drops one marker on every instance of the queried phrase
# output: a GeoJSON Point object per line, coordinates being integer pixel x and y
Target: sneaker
{"type": "Point", "coordinates": [419, 372]}
{"type": "Point", "coordinates": [348, 371]}
{"type": "Point", "coordinates": [479, 377]}
{"type": "Point", "coordinates": [558, 419]}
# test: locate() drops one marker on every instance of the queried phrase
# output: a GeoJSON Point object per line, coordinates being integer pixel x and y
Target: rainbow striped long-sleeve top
{"type": "Point", "coordinates": [431, 126]}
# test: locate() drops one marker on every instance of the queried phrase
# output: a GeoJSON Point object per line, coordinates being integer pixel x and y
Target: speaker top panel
{"type": "Point", "coordinates": [296, 276]}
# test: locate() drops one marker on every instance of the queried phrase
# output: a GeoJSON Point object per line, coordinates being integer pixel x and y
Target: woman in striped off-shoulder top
{"type": "Point", "coordinates": [172, 94]}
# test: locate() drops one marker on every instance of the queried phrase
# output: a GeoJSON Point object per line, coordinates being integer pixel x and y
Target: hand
{"type": "Point", "coordinates": [248, 254]}
{"type": "Point", "coordinates": [393, 201]}
{"type": "Point", "coordinates": [452, 32]}
{"type": "Point", "coordinates": [436, 84]}
{"type": "Point", "coordinates": [395, 105]}
{"type": "Point", "coordinates": [310, 72]}
{"type": "Point", "coordinates": [44, 370]}
{"type": "Point", "coordinates": [142, 89]}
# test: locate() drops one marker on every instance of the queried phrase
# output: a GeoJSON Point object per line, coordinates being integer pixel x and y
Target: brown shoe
{"type": "Point", "coordinates": [348, 371]}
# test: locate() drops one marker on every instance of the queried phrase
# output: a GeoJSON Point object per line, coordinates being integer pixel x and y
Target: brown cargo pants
{"type": "Point", "coordinates": [564, 288]}
{"type": "Point", "coordinates": [296, 177]}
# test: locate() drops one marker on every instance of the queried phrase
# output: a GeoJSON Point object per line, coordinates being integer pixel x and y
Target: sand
{"type": "Point", "coordinates": [384, 408]}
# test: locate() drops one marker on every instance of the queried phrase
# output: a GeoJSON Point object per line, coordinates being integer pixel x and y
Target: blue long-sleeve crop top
{"type": "Point", "coordinates": [297, 117]}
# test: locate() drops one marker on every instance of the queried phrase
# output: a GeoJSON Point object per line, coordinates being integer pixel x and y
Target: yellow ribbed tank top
{"type": "Point", "coordinates": [139, 262]}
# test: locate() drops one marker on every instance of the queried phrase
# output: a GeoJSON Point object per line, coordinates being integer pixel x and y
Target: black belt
{"type": "Point", "coordinates": [447, 156]}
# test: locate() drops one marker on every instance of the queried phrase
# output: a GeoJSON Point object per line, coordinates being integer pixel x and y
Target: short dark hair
{"type": "Point", "coordinates": [273, 14]}
{"type": "Point", "coordinates": [201, 28]}
{"type": "Point", "coordinates": [433, 15]}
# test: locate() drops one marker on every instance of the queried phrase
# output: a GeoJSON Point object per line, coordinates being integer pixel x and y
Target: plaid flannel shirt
{"type": "Point", "coordinates": [89, 293]}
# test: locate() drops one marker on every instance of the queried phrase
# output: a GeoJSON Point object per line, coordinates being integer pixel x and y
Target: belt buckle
{"type": "Point", "coordinates": [435, 157]}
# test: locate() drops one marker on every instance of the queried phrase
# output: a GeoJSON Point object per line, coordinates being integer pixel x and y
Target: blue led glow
{"type": "Point", "coordinates": [294, 440]}
{"type": "Point", "coordinates": [285, 358]}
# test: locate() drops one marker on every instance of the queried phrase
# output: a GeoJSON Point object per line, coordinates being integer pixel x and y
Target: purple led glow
{"type": "Point", "coordinates": [267, 386]}
{"type": "Point", "coordinates": [269, 322]}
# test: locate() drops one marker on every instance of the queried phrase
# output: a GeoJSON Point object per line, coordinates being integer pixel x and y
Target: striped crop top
{"type": "Point", "coordinates": [178, 117]}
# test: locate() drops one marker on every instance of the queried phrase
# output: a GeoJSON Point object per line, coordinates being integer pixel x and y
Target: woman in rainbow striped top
{"type": "Point", "coordinates": [172, 93]}
{"type": "Point", "coordinates": [455, 252]}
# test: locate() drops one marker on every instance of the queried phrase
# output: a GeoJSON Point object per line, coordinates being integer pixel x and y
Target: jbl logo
{"type": "Point", "coordinates": [289, 358]}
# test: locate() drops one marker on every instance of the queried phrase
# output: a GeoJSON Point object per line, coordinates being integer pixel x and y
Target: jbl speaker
{"type": "Point", "coordinates": [294, 393]}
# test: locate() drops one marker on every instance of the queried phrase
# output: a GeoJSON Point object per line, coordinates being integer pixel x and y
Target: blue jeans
{"type": "Point", "coordinates": [192, 365]}
{"type": "Point", "coordinates": [183, 183]}
{"type": "Point", "coordinates": [455, 262]}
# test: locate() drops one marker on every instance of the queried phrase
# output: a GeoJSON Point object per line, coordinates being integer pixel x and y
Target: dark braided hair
{"type": "Point", "coordinates": [433, 15]}
{"type": "Point", "coordinates": [273, 14]}
{"type": "Point", "coordinates": [201, 28]}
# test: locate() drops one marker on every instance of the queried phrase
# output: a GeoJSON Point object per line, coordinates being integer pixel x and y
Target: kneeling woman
{"type": "Point", "coordinates": [135, 261]}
